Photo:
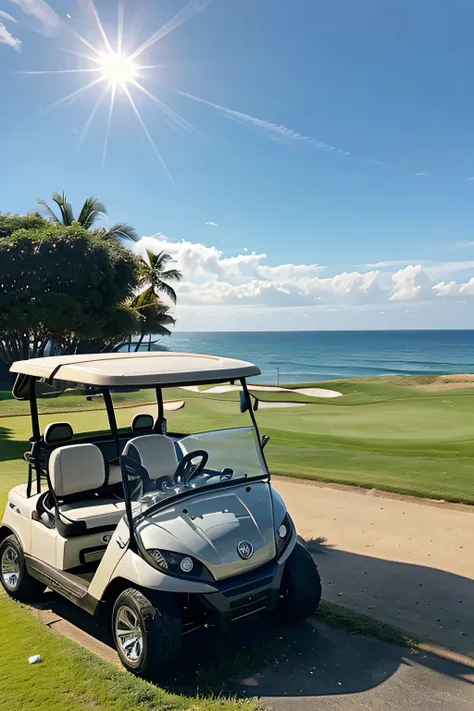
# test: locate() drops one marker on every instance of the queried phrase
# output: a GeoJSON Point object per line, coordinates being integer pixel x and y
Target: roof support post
{"type": "Point", "coordinates": [161, 411]}
{"type": "Point", "coordinates": [109, 405]}
{"type": "Point", "coordinates": [243, 382]}
{"type": "Point", "coordinates": [36, 436]}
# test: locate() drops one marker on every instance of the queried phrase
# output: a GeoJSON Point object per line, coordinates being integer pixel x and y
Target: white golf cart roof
{"type": "Point", "coordinates": [136, 369]}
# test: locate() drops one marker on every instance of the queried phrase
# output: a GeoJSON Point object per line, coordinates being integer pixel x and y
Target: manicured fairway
{"type": "Point", "coordinates": [395, 437]}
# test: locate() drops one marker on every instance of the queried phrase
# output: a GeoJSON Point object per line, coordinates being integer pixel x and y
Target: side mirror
{"type": "Point", "coordinates": [244, 406]}
{"type": "Point", "coordinates": [265, 440]}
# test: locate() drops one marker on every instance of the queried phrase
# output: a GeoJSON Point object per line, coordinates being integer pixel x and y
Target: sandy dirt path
{"type": "Point", "coordinates": [407, 563]}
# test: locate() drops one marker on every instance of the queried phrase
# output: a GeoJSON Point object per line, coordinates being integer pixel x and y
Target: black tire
{"type": "Point", "coordinates": [15, 579]}
{"type": "Point", "coordinates": [155, 637]}
{"type": "Point", "coordinates": [300, 591]}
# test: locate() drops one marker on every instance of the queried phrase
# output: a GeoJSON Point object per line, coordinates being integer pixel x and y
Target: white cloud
{"type": "Point", "coordinates": [6, 16]}
{"type": "Point", "coordinates": [454, 289]}
{"type": "Point", "coordinates": [211, 224]}
{"type": "Point", "coordinates": [410, 283]}
{"type": "Point", "coordinates": [245, 290]}
{"type": "Point", "coordinates": [7, 38]}
{"type": "Point", "coordinates": [49, 22]}
{"type": "Point", "coordinates": [464, 245]}
{"type": "Point", "coordinates": [422, 174]}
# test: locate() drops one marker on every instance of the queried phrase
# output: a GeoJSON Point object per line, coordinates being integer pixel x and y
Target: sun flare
{"type": "Point", "coordinates": [117, 69]}
{"type": "Point", "coordinates": [114, 72]}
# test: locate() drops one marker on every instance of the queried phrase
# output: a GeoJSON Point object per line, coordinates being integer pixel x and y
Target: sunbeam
{"type": "Point", "coordinates": [63, 71]}
{"type": "Point", "coordinates": [176, 119]}
{"type": "Point", "coordinates": [70, 97]}
{"type": "Point", "coordinates": [120, 21]}
{"type": "Point", "coordinates": [192, 8]}
{"type": "Point", "coordinates": [93, 9]}
{"type": "Point", "coordinates": [87, 125]}
{"type": "Point", "coordinates": [147, 134]}
{"type": "Point", "coordinates": [109, 121]}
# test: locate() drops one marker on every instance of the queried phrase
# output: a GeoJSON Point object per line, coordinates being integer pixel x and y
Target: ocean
{"type": "Point", "coordinates": [315, 356]}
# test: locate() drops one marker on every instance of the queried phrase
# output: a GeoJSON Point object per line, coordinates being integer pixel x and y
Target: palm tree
{"type": "Point", "coordinates": [91, 211]}
{"type": "Point", "coordinates": [154, 315]}
{"type": "Point", "coordinates": [155, 275]}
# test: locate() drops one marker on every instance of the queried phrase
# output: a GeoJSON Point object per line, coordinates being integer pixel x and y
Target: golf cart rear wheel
{"type": "Point", "coordinates": [147, 635]}
{"type": "Point", "coordinates": [14, 577]}
{"type": "Point", "coordinates": [300, 591]}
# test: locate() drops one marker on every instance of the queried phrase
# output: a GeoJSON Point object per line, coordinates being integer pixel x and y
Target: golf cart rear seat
{"type": "Point", "coordinates": [77, 472]}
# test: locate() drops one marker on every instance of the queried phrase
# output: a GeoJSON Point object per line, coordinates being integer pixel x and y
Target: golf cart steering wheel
{"type": "Point", "coordinates": [186, 470]}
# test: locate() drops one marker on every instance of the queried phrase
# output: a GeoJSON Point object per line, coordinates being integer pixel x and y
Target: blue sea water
{"type": "Point", "coordinates": [311, 356]}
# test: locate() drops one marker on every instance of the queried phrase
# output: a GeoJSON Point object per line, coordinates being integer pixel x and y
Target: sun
{"type": "Point", "coordinates": [117, 69]}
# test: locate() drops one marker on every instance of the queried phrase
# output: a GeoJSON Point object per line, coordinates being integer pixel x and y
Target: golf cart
{"type": "Point", "coordinates": [163, 532]}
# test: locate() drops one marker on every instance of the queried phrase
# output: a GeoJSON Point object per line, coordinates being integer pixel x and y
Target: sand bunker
{"type": "Point", "coordinates": [317, 392]}
{"type": "Point", "coordinates": [309, 392]}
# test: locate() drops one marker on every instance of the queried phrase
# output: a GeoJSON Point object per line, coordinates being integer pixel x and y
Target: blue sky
{"type": "Point", "coordinates": [372, 167]}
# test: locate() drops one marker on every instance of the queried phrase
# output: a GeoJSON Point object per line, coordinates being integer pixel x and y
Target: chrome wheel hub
{"type": "Point", "coordinates": [129, 634]}
{"type": "Point", "coordinates": [10, 568]}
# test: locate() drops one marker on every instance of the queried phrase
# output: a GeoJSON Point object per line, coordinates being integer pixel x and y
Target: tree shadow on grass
{"type": "Point", "coordinates": [11, 448]}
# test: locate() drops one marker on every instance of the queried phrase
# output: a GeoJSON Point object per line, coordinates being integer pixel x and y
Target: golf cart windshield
{"type": "Point", "coordinates": [233, 456]}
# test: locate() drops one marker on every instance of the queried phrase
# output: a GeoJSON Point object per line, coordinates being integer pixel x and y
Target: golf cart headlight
{"type": "Point", "coordinates": [159, 558]}
{"type": "Point", "coordinates": [186, 565]}
{"type": "Point", "coordinates": [178, 564]}
{"type": "Point", "coordinates": [284, 534]}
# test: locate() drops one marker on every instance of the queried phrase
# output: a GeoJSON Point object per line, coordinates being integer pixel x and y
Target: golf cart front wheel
{"type": "Point", "coordinates": [147, 635]}
{"type": "Point", "coordinates": [15, 579]}
{"type": "Point", "coordinates": [300, 591]}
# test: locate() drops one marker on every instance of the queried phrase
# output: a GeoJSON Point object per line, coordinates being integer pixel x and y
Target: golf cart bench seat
{"type": "Point", "coordinates": [77, 472]}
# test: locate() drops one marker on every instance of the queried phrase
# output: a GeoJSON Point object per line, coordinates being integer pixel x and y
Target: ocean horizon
{"type": "Point", "coordinates": [316, 356]}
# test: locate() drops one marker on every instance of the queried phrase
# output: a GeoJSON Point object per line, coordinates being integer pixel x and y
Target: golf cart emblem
{"type": "Point", "coordinates": [245, 550]}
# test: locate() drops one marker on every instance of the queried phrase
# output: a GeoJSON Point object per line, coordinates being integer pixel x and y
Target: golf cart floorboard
{"type": "Point", "coordinates": [73, 587]}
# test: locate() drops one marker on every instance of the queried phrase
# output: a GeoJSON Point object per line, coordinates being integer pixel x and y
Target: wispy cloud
{"type": "Point", "coordinates": [471, 178]}
{"type": "Point", "coordinates": [49, 21]}
{"type": "Point", "coordinates": [422, 175]}
{"type": "Point", "coordinates": [463, 245]}
{"type": "Point", "coordinates": [212, 224]}
{"type": "Point", "coordinates": [392, 263]}
{"type": "Point", "coordinates": [6, 16]}
{"type": "Point", "coordinates": [8, 39]}
{"type": "Point", "coordinates": [277, 132]}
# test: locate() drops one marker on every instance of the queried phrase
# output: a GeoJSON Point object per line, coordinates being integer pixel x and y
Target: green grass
{"type": "Point", "coordinates": [383, 433]}
{"type": "Point", "coordinates": [71, 678]}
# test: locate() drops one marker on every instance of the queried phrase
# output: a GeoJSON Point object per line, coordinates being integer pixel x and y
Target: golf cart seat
{"type": "Point", "coordinates": [77, 472]}
{"type": "Point", "coordinates": [155, 452]}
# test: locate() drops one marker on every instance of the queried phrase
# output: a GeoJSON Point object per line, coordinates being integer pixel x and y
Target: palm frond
{"type": "Point", "coordinates": [165, 289]}
{"type": "Point", "coordinates": [172, 275]}
{"type": "Point", "coordinates": [123, 231]}
{"type": "Point", "coordinates": [91, 210]}
{"type": "Point", "coordinates": [65, 208]}
{"type": "Point", "coordinates": [52, 216]}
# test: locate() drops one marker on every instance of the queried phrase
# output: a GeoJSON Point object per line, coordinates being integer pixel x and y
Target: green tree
{"type": "Point", "coordinates": [154, 317]}
{"type": "Point", "coordinates": [61, 285]}
{"type": "Point", "coordinates": [91, 211]}
{"type": "Point", "coordinates": [9, 223]}
{"type": "Point", "coordinates": [155, 275]}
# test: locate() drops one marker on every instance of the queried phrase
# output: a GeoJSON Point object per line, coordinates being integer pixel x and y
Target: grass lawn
{"type": "Point", "coordinates": [383, 433]}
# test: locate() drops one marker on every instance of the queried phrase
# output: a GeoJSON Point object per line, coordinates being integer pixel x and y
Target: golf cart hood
{"type": "Point", "coordinates": [210, 526]}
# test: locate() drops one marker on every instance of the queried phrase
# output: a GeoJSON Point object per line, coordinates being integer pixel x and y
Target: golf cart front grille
{"type": "Point", "coordinates": [248, 587]}
{"type": "Point", "coordinates": [254, 603]}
